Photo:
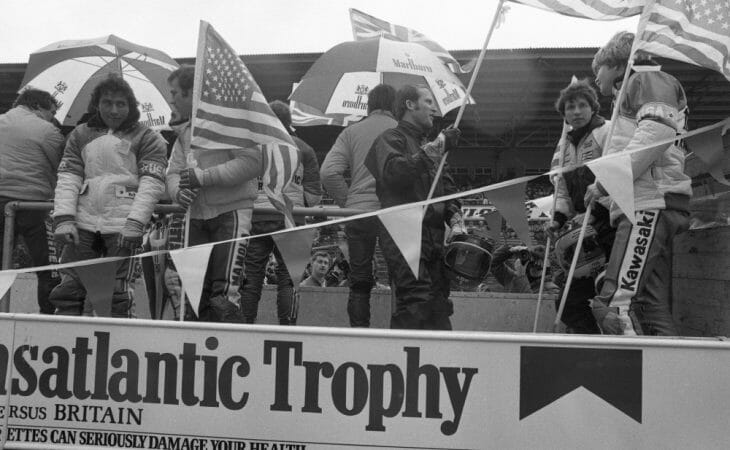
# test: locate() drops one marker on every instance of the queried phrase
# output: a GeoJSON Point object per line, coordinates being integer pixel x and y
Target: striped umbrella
{"type": "Point", "coordinates": [335, 88]}
{"type": "Point", "coordinates": [70, 69]}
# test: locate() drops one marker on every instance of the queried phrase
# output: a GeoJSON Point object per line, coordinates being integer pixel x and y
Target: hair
{"type": "Point", "coordinates": [382, 97]}
{"type": "Point", "coordinates": [184, 75]}
{"type": "Point", "coordinates": [114, 84]}
{"type": "Point", "coordinates": [283, 112]}
{"type": "Point", "coordinates": [322, 254]}
{"type": "Point", "coordinates": [35, 99]}
{"type": "Point", "coordinates": [404, 94]}
{"type": "Point", "coordinates": [579, 89]}
{"type": "Point", "coordinates": [615, 53]}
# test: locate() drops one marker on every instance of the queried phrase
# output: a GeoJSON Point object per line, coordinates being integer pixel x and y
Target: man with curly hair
{"type": "Point", "coordinates": [635, 297]}
{"type": "Point", "coordinates": [109, 180]}
{"type": "Point", "coordinates": [579, 107]}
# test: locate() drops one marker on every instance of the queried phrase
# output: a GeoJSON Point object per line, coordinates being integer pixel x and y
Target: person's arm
{"type": "Point", "coordinates": [563, 203]}
{"type": "Point", "coordinates": [333, 171]}
{"type": "Point", "coordinates": [657, 102]}
{"type": "Point", "coordinates": [396, 170]}
{"type": "Point", "coordinates": [177, 164]}
{"type": "Point", "coordinates": [70, 181]}
{"type": "Point", "coordinates": [243, 166]}
{"type": "Point", "coordinates": [151, 165]}
{"type": "Point", "coordinates": [500, 268]}
{"type": "Point", "coordinates": [310, 177]}
{"type": "Point", "coordinates": [52, 146]}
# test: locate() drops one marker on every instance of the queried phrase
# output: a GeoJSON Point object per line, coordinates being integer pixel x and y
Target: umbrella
{"type": "Point", "coordinates": [70, 69]}
{"type": "Point", "coordinates": [337, 84]}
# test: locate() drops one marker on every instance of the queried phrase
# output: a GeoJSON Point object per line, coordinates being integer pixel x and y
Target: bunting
{"type": "Point", "coordinates": [98, 280]}
{"type": "Point", "coordinates": [404, 226]}
{"type": "Point", "coordinates": [296, 250]}
{"type": "Point", "coordinates": [191, 264]}
{"type": "Point", "coordinates": [7, 278]}
{"type": "Point", "coordinates": [510, 202]}
{"type": "Point", "coordinates": [617, 178]}
{"type": "Point", "coordinates": [709, 148]}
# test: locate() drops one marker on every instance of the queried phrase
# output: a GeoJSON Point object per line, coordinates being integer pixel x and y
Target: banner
{"type": "Point", "coordinates": [404, 226]}
{"type": "Point", "coordinates": [82, 382]}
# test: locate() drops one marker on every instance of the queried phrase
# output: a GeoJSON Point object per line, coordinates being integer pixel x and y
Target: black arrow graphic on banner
{"type": "Point", "coordinates": [548, 373]}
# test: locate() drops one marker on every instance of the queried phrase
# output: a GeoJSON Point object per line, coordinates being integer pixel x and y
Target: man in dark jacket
{"type": "Point", "coordinates": [404, 169]}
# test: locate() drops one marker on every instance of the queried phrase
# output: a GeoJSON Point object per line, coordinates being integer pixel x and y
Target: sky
{"type": "Point", "coordinates": [285, 26]}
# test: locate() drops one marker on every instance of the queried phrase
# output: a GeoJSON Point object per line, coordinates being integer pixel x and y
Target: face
{"type": "Point", "coordinates": [320, 266]}
{"type": "Point", "coordinates": [605, 78]}
{"type": "Point", "coordinates": [114, 109]}
{"type": "Point", "coordinates": [578, 112]}
{"type": "Point", "coordinates": [183, 103]}
{"type": "Point", "coordinates": [423, 110]}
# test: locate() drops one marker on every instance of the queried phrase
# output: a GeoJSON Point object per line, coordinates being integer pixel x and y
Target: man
{"type": "Point", "coordinates": [635, 297]}
{"type": "Point", "coordinates": [30, 150]}
{"type": "Point", "coordinates": [216, 187]}
{"type": "Point", "coordinates": [578, 105]}
{"type": "Point", "coordinates": [304, 190]}
{"type": "Point", "coordinates": [110, 178]}
{"type": "Point", "coordinates": [348, 155]}
{"type": "Point", "coordinates": [320, 265]}
{"type": "Point", "coordinates": [404, 169]}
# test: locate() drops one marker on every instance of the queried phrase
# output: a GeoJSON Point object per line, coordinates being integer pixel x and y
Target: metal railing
{"type": "Point", "coordinates": [12, 207]}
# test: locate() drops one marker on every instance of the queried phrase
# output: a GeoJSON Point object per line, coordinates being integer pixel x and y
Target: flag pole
{"type": "Point", "coordinates": [614, 115]}
{"type": "Point", "coordinates": [468, 93]}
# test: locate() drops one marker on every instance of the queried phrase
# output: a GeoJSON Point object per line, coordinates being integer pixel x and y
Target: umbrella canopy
{"type": "Point", "coordinates": [336, 86]}
{"type": "Point", "coordinates": [70, 69]}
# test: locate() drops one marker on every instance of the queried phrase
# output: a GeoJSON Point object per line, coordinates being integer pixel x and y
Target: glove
{"type": "Point", "coordinates": [451, 137]}
{"type": "Point", "coordinates": [435, 149]}
{"type": "Point", "coordinates": [607, 318]}
{"type": "Point", "coordinates": [66, 232]}
{"type": "Point", "coordinates": [191, 178]}
{"type": "Point", "coordinates": [131, 235]}
{"type": "Point", "coordinates": [185, 197]}
{"type": "Point", "coordinates": [552, 228]}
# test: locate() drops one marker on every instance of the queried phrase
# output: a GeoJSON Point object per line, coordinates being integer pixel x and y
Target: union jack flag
{"type": "Point", "coordinates": [230, 112]}
{"type": "Point", "coordinates": [693, 31]}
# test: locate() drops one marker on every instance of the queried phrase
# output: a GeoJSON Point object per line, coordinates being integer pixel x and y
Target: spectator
{"type": "Point", "coordinates": [578, 105]}
{"type": "Point", "coordinates": [348, 154]}
{"type": "Point", "coordinates": [216, 187]}
{"type": "Point", "coordinates": [305, 190]}
{"type": "Point", "coordinates": [653, 110]}
{"type": "Point", "coordinates": [109, 180]}
{"type": "Point", "coordinates": [320, 265]}
{"type": "Point", "coordinates": [404, 170]}
{"type": "Point", "coordinates": [30, 151]}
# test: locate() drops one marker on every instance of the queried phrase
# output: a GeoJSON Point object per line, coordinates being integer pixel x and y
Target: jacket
{"type": "Point", "coordinates": [30, 151]}
{"type": "Point", "coordinates": [403, 173]}
{"type": "Point", "coordinates": [227, 176]}
{"type": "Point", "coordinates": [579, 147]}
{"type": "Point", "coordinates": [348, 153]}
{"type": "Point", "coordinates": [106, 177]}
{"type": "Point", "coordinates": [304, 190]}
{"type": "Point", "coordinates": [654, 109]}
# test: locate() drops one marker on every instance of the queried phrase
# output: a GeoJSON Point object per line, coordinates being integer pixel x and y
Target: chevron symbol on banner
{"type": "Point", "coordinates": [549, 373]}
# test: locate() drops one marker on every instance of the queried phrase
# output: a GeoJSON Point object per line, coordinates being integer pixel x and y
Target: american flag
{"type": "Point", "coordinates": [693, 31]}
{"type": "Point", "coordinates": [365, 26]}
{"type": "Point", "coordinates": [230, 112]}
{"type": "Point", "coordinates": [589, 9]}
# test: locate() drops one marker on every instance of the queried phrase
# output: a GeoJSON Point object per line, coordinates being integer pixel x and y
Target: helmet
{"type": "Point", "coordinates": [469, 256]}
{"type": "Point", "coordinates": [591, 259]}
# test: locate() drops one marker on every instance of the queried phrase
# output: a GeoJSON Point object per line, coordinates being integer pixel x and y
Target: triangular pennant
{"type": "Point", "coordinates": [494, 223]}
{"type": "Point", "coordinates": [404, 226]}
{"type": "Point", "coordinates": [709, 148]}
{"type": "Point", "coordinates": [98, 280]}
{"type": "Point", "coordinates": [617, 178]}
{"type": "Point", "coordinates": [296, 250]}
{"type": "Point", "coordinates": [7, 278]}
{"type": "Point", "coordinates": [191, 264]}
{"type": "Point", "coordinates": [510, 202]}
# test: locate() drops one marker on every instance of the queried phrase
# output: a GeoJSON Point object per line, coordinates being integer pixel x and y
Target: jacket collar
{"type": "Point", "coordinates": [96, 122]}
{"type": "Point", "coordinates": [575, 136]}
{"type": "Point", "coordinates": [411, 129]}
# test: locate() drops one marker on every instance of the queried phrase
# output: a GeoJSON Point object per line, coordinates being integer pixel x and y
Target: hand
{"type": "Point", "coordinates": [131, 235]}
{"type": "Point", "coordinates": [457, 225]}
{"type": "Point", "coordinates": [66, 232]}
{"type": "Point", "coordinates": [435, 149]}
{"type": "Point", "coordinates": [185, 197]}
{"type": "Point", "coordinates": [191, 178]}
{"type": "Point", "coordinates": [451, 136]}
{"type": "Point", "coordinates": [593, 193]}
{"type": "Point", "coordinates": [607, 318]}
{"type": "Point", "coordinates": [552, 227]}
